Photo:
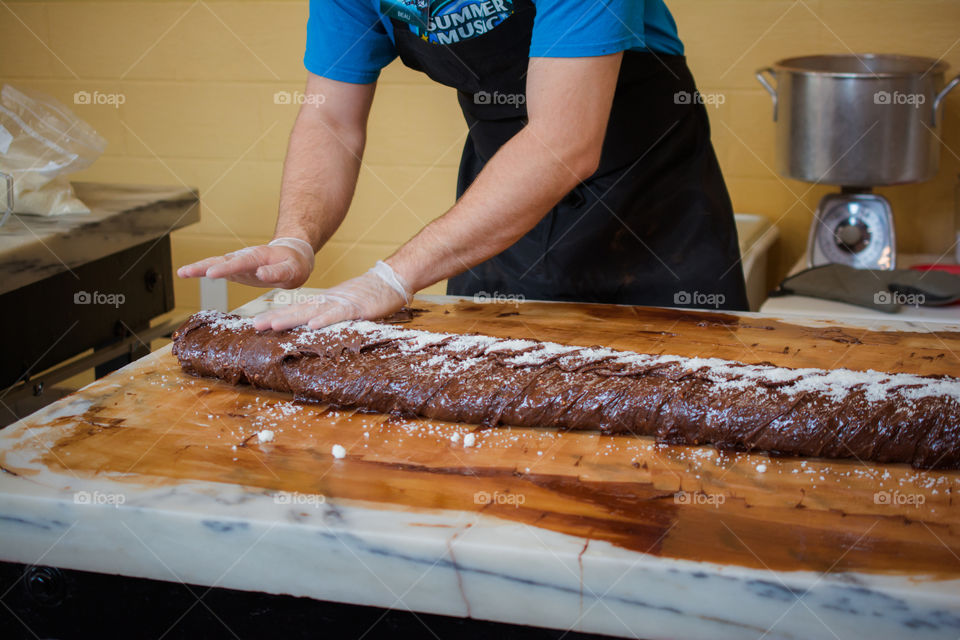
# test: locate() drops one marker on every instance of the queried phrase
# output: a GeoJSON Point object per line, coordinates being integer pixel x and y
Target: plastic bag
{"type": "Point", "coordinates": [41, 141]}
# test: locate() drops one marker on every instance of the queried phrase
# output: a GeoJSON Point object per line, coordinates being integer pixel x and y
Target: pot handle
{"type": "Point", "coordinates": [938, 101]}
{"type": "Point", "coordinates": [769, 87]}
{"type": "Point", "coordinates": [8, 198]}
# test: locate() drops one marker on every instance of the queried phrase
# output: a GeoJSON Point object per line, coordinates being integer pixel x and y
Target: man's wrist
{"type": "Point", "coordinates": [292, 225]}
{"type": "Point", "coordinates": [406, 272]}
{"type": "Point", "coordinates": [299, 245]}
{"type": "Point", "coordinates": [297, 234]}
{"type": "Point", "coordinates": [393, 280]}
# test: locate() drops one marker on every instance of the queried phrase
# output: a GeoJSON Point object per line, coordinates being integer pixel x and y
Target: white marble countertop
{"type": "Point", "coordinates": [436, 561]}
{"type": "Point", "coordinates": [121, 216]}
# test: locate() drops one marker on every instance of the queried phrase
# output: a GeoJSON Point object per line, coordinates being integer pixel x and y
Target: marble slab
{"type": "Point", "coordinates": [449, 563]}
{"type": "Point", "coordinates": [121, 216]}
{"type": "Point", "coordinates": [445, 561]}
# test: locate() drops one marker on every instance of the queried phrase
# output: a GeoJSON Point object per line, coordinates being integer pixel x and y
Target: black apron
{"type": "Point", "coordinates": [653, 225]}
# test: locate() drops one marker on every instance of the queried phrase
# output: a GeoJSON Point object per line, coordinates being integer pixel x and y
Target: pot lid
{"type": "Point", "coordinates": [862, 65]}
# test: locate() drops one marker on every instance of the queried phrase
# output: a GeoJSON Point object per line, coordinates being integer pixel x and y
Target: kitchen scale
{"type": "Point", "coordinates": [855, 228]}
{"type": "Point", "coordinates": [866, 120]}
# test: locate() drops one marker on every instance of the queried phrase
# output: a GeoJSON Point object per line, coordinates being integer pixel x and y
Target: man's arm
{"type": "Point", "coordinates": [568, 106]}
{"type": "Point", "coordinates": [323, 160]}
{"type": "Point", "coordinates": [319, 177]}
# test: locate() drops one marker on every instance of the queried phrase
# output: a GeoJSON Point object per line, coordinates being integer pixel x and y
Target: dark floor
{"type": "Point", "coordinates": [42, 602]}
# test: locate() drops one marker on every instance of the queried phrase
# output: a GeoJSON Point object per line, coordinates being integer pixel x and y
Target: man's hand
{"type": "Point", "coordinates": [284, 263]}
{"type": "Point", "coordinates": [377, 293]}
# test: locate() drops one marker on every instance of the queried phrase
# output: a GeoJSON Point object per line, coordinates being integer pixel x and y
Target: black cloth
{"type": "Point", "coordinates": [652, 223]}
{"type": "Point", "coordinates": [883, 290]}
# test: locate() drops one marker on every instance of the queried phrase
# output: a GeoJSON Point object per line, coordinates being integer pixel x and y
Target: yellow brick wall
{"type": "Point", "coordinates": [199, 80]}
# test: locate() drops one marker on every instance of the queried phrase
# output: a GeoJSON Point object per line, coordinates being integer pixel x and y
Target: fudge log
{"type": "Point", "coordinates": [838, 413]}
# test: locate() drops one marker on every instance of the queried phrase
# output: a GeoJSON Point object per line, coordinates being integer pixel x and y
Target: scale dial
{"type": "Point", "coordinates": [853, 229]}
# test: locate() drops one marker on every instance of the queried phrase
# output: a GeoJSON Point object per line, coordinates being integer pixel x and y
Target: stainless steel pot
{"type": "Point", "coordinates": [857, 120]}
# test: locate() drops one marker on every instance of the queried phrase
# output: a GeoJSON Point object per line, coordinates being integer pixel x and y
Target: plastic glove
{"type": "Point", "coordinates": [377, 293]}
{"type": "Point", "coordinates": [284, 263]}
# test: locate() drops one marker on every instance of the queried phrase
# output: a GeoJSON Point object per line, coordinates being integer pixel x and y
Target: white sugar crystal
{"type": "Point", "coordinates": [265, 436]}
{"type": "Point", "coordinates": [512, 345]}
{"type": "Point", "coordinates": [547, 351]}
{"type": "Point", "coordinates": [469, 440]}
{"type": "Point", "coordinates": [338, 451]}
{"type": "Point", "coordinates": [725, 375]}
{"type": "Point", "coordinates": [222, 322]}
{"type": "Point", "coordinates": [761, 468]}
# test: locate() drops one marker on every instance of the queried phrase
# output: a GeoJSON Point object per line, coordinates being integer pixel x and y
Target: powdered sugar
{"type": "Point", "coordinates": [453, 353]}
{"type": "Point", "coordinates": [218, 321]}
{"type": "Point", "coordinates": [546, 351]}
{"type": "Point", "coordinates": [512, 345]}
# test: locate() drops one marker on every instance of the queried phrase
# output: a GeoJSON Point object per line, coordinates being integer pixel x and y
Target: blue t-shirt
{"type": "Point", "coordinates": [351, 40]}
